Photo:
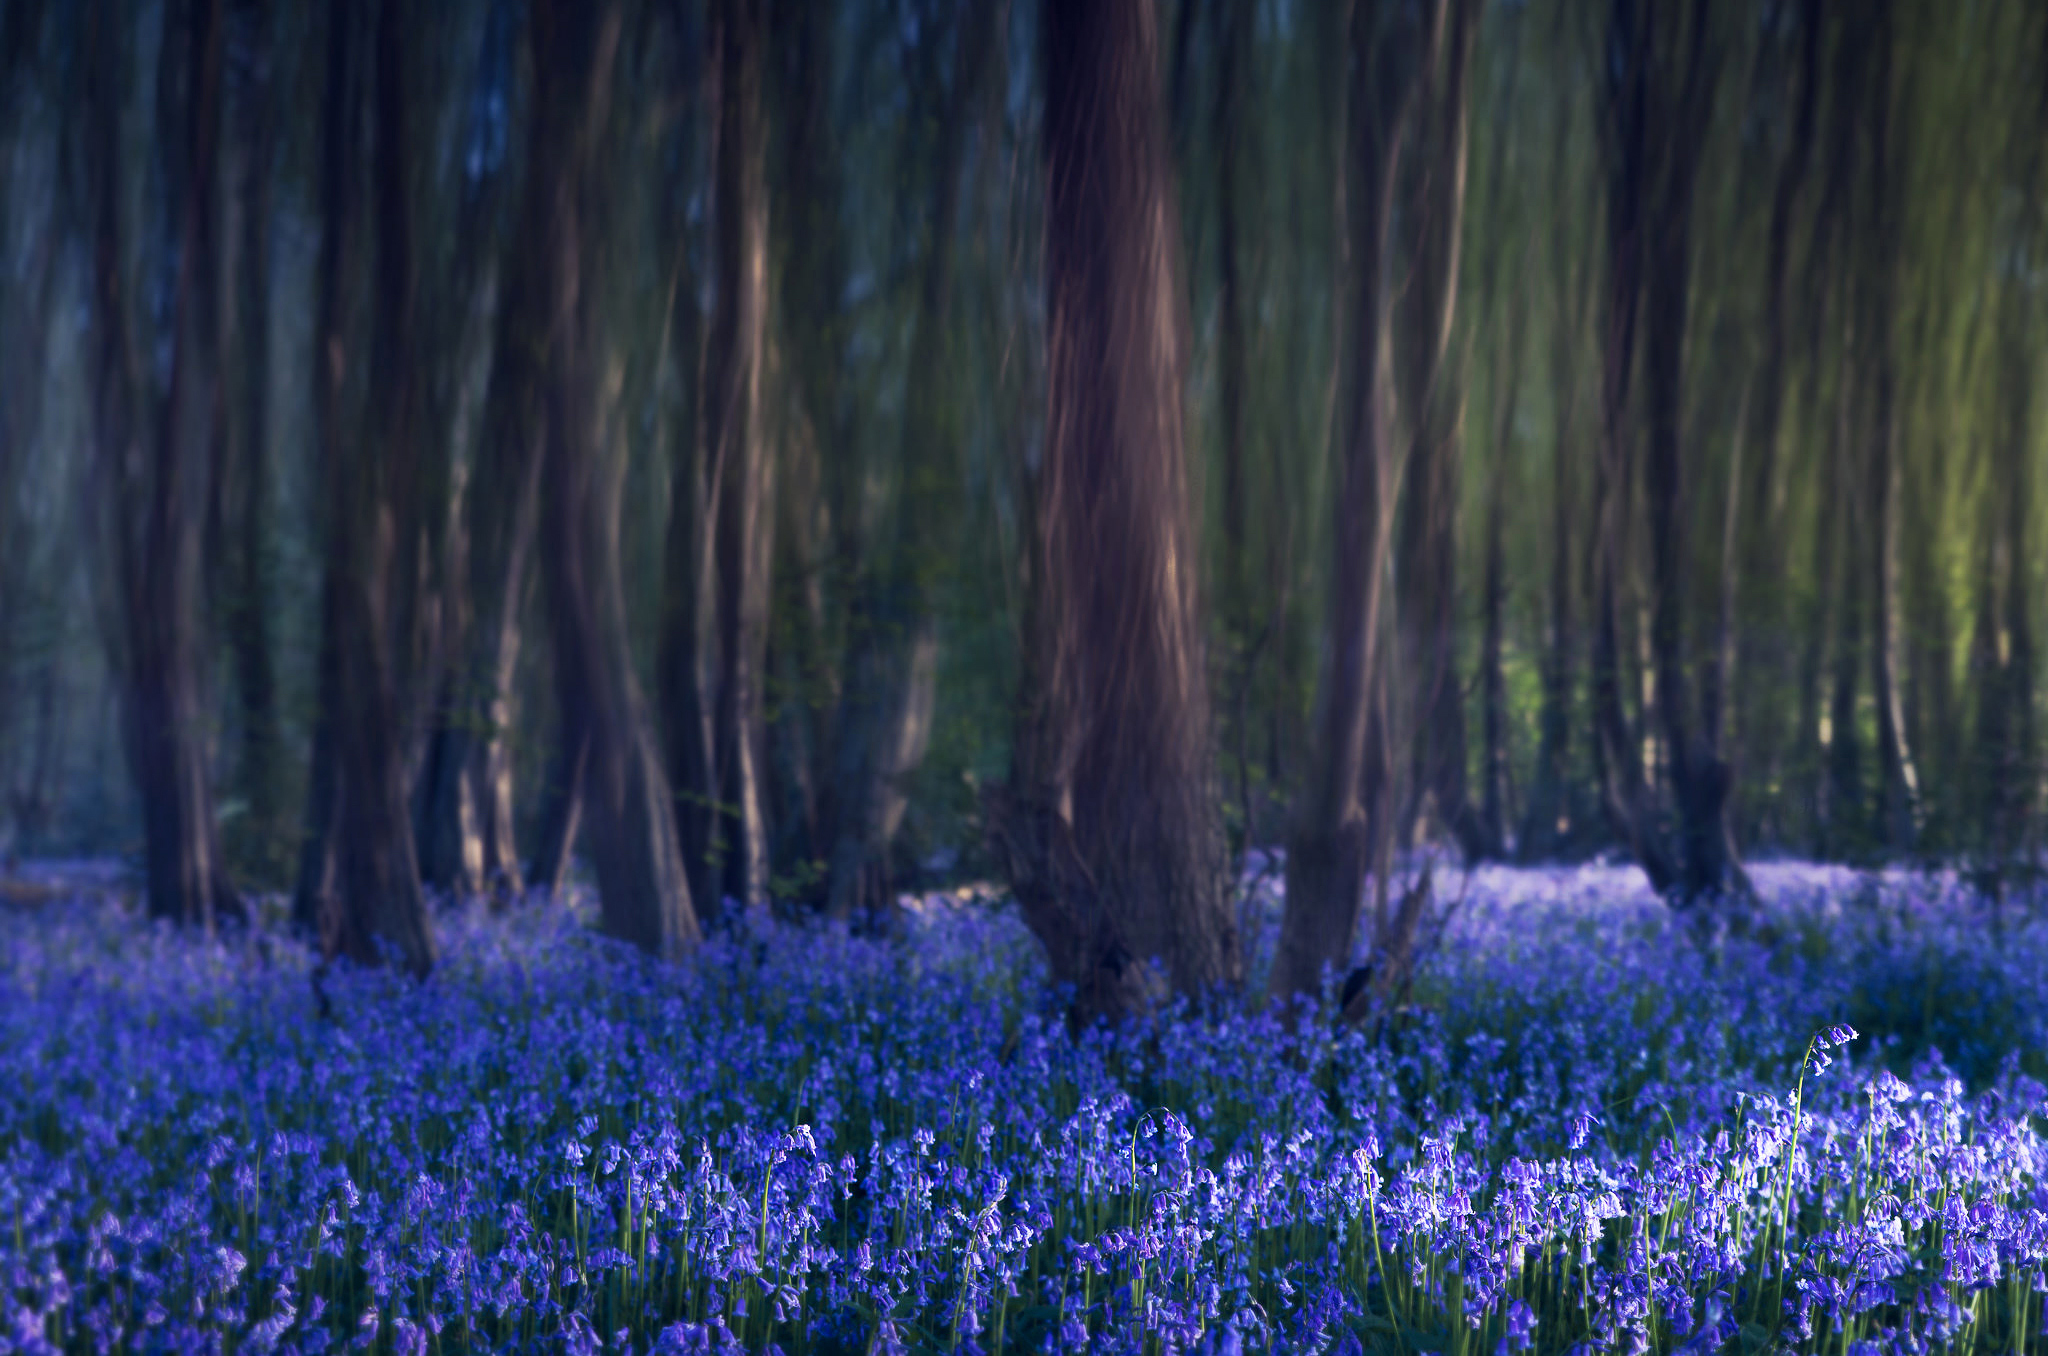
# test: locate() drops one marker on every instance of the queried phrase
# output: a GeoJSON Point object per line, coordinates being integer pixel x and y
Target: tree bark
{"type": "Point", "coordinates": [634, 848]}
{"type": "Point", "coordinates": [1660, 89]}
{"type": "Point", "coordinates": [261, 836]}
{"type": "Point", "coordinates": [1898, 822]}
{"type": "Point", "coordinates": [153, 466]}
{"type": "Point", "coordinates": [892, 667]}
{"type": "Point", "coordinates": [1332, 845]}
{"type": "Point", "coordinates": [1430, 217]}
{"type": "Point", "coordinates": [719, 537]}
{"type": "Point", "coordinates": [1110, 829]}
{"type": "Point", "coordinates": [1762, 677]}
{"type": "Point", "coordinates": [368, 890]}
{"type": "Point", "coordinates": [463, 800]}
{"type": "Point", "coordinates": [1549, 817]}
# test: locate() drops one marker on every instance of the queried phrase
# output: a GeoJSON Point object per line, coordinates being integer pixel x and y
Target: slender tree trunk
{"type": "Point", "coordinates": [260, 837]}
{"type": "Point", "coordinates": [1898, 781]}
{"type": "Point", "coordinates": [1430, 216]}
{"type": "Point", "coordinates": [2008, 753]}
{"type": "Point", "coordinates": [893, 666]}
{"type": "Point", "coordinates": [371, 898]}
{"type": "Point", "coordinates": [719, 537]}
{"type": "Point", "coordinates": [153, 465]}
{"type": "Point", "coordinates": [1110, 827]}
{"type": "Point", "coordinates": [1762, 676]}
{"type": "Point", "coordinates": [1332, 847]}
{"type": "Point", "coordinates": [625, 791]}
{"type": "Point", "coordinates": [25, 315]}
{"type": "Point", "coordinates": [463, 796]}
{"type": "Point", "coordinates": [1660, 93]}
{"type": "Point", "coordinates": [1549, 811]}
{"type": "Point", "coordinates": [1493, 806]}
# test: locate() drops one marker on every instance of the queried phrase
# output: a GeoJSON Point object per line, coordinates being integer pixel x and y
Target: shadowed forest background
{"type": "Point", "coordinates": [791, 452]}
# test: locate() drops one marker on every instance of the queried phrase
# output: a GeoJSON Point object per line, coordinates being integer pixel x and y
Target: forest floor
{"type": "Point", "coordinates": [1585, 1130]}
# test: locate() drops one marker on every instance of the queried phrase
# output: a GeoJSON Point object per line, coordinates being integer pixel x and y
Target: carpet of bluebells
{"type": "Point", "coordinates": [1588, 1130]}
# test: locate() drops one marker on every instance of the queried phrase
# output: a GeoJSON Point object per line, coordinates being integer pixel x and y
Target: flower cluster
{"type": "Point", "coordinates": [1589, 1131]}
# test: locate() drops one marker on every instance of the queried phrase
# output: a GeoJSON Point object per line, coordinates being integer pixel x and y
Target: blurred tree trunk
{"type": "Point", "coordinates": [720, 538]}
{"type": "Point", "coordinates": [822, 451]}
{"type": "Point", "coordinates": [366, 880]}
{"type": "Point", "coordinates": [463, 797]}
{"type": "Point", "coordinates": [1493, 694]}
{"type": "Point", "coordinates": [1763, 677]}
{"type": "Point", "coordinates": [892, 667]}
{"type": "Point", "coordinates": [25, 315]}
{"type": "Point", "coordinates": [1243, 636]}
{"type": "Point", "coordinates": [625, 791]}
{"type": "Point", "coordinates": [153, 463]}
{"type": "Point", "coordinates": [1109, 828]}
{"type": "Point", "coordinates": [1898, 821]}
{"type": "Point", "coordinates": [1337, 835]}
{"type": "Point", "coordinates": [1549, 816]}
{"type": "Point", "coordinates": [1429, 217]}
{"type": "Point", "coordinates": [2008, 755]}
{"type": "Point", "coordinates": [259, 838]}
{"type": "Point", "coordinates": [1661, 77]}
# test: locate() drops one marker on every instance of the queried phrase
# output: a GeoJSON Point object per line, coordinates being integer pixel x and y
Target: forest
{"type": "Point", "coordinates": [897, 675]}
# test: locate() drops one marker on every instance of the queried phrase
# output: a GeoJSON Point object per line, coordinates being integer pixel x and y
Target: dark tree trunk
{"type": "Point", "coordinates": [2008, 755]}
{"type": "Point", "coordinates": [892, 667]}
{"type": "Point", "coordinates": [625, 791]}
{"type": "Point", "coordinates": [1429, 215]}
{"type": "Point", "coordinates": [25, 315]}
{"type": "Point", "coordinates": [823, 491]}
{"type": "Point", "coordinates": [463, 795]}
{"type": "Point", "coordinates": [1898, 821]}
{"type": "Point", "coordinates": [719, 537]}
{"type": "Point", "coordinates": [153, 466]}
{"type": "Point", "coordinates": [1762, 677]}
{"type": "Point", "coordinates": [1493, 693]}
{"type": "Point", "coordinates": [1234, 55]}
{"type": "Point", "coordinates": [368, 891]}
{"type": "Point", "coordinates": [1661, 78]}
{"type": "Point", "coordinates": [1110, 828]}
{"type": "Point", "coordinates": [1338, 830]}
{"type": "Point", "coordinates": [1549, 816]}
{"type": "Point", "coordinates": [261, 836]}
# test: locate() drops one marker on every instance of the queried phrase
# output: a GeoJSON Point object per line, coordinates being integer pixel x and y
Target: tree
{"type": "Point", "coordinates": [360, 884]}
{"type": "Point", "coordinates": [642, 886]}
{"type": "Point", "coordinates": [719, 538]}
{"type": "Point", "coordinates": [1430, 205]}
{"type": "Point", "coordinates": [891, 667]}
{"type": "Point", "coordinates": [1109, 828]}
{"type": "Point", "coordinates": [153, 448]}
{"type": "Point", "coordinates": [1660, 68]}
{"type": "Point", "coordinates": [1340, 830]}
{"type": "Point", "coordinates": [464, 809]}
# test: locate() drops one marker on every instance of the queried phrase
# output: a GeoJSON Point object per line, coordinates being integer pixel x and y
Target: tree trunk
{"type": "Point", "coordinates": [892, 669]}
{"type": "Point", "coordinates": [719, 536]}
{"type": "Point", "coordinates": [1762, 677]}
{"type": "Point", "coordinates": [258, 840]}
{"type": "Point", "coordinates": [1549, 816]}
{"type": "Point", "coordinates": [1493, 694]}
{"type": "Point", "coordinates": [625, 791]}
{"type": "Point", "coordinates": [1898, 821]}
{"type": "Point", "coordinates": [1430, 216]}
{"type": "Point", "coordinates": [155, 477]}
{"type": "Point", "coordinates": [2002, 647]}
{"type": "Point", "coordinates": [371, 898]}
{"type": "Point", "coordinates": [463, 800]}
{"type": "Point", "coordinates": [1110, 828]}
{"type": "Point", "coordinates": [1661, 87]}
{"type": "Point", "coordinates": [1332, 848]}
